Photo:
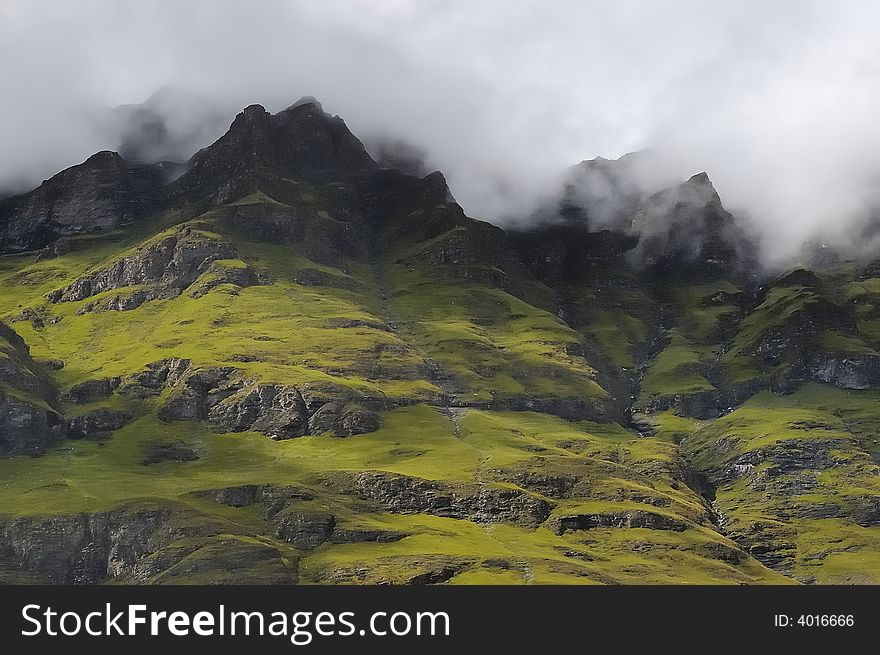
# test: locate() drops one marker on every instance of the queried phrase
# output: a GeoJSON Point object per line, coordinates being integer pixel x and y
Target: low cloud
{"type": "Point", "coordinates": [776, 101]}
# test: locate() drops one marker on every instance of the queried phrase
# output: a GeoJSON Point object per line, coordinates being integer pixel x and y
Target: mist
{"type": "Point", "coordinates": [777, 102]}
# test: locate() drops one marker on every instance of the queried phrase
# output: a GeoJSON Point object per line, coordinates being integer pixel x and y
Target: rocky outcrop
{"type": "Point", "coordinates": [410, 495]}
{"type": "Point", "coordinates": [162, 268]}
{"type": "Point", "coordinates": [219, 274]}
{"type": "Point", "coordinates": [232, 402]}
{"type": "Point", "coordinates": [26, 427]}
{"type": "Point", "coordinates": [784, 458]}
{"type": "Point", "coordinates": [158, 453]}
{"type": "Point", "coordinates": [29, 422]}
{"type": "Point", "coordinates": [288, 510]}
{"type": "Point", "coordinates": [274, 497]}
{"type": "Point", "coordinates": [301, 142]}
{"type": "Point", "coordinates": [844, 370]}
{"type": "Point", "coordinates": [92, 548]}
{"type": "Point", "coordinates": [343, 535]}
{"type": "Point", "coordinates": [321, 237]}
{"type": "Point", "coordinates": [100, 194]}
{"type": "Point", "coordinates": [303, 529]}
{"type": "Point", "coordinates": [310, 277]}
{"type": "Point", "coordinates": [90, 391]}
{"type": "Point", "coordinates": [617, 519]}
{"type": "Point", "coordinates": [153, 379]}
{"type": "Point", "coordinates": [343, 420]}
{"type": "Point", "coordinates": [275, 410]}
{"type": "Point", "coordinates": [133, 544]}
{"type": "Point", "coordinates": [96, 424]}
{"type": "Point", "coordinates": [704, 405]}
{"type": "Point", "coordinates": [686, 226]}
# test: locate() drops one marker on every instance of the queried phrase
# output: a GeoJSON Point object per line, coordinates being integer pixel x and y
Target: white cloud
{"type": "Point", "coordinates": [777, 101]}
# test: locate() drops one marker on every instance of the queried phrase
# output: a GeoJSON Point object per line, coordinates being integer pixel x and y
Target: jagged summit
{"type": "Point", "coordinates": [701, 179]}
{"type": "Point", "coordinates": [302, 142]}
{"type": "Point", "coordinates": [307, 100]}
{"type": "Point", "coordinates": [99, 194]}
{"type": "Point", "coordinates": [687, 224]}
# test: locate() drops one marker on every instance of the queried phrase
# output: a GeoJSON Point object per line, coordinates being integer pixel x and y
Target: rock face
{"type": "Point", "coordinates": [224, 397]}
{"type": "Point", "coordinates": [99, 194]}
{"type": "Point", "coordinates": [28, 421]}
{"type": "Point", "coordinates": [409, 495]}
{"type": "Point", "coordinates": [165, 267]}
{"type": "Point", "coordinates": [275, 410]}
{"type": "Point", "coordinates": [321, 240]}
{"type": "Point", "coordinates": [97, 424]}
{"type": "Point", "coordinates": [289, 511]}
{"type": "Point", "coordinates": [304, 530]}
{"type": "Point", "coordinates": [134, 544]}
{"type": "Point", "coordinates": [623, 519]}
{"type": "Point", "coordinates": [844, 370]}
{"type": "Point", "coordinates": [343, 420]}
{"type": "Point", "coordinates": [90, 391]}
{"type": "Point", "coordinates": [687, 225]}
{"type": "Point", "coordinates": [707, 404]}
{"type": "Point", "coordinates": [301, 141]}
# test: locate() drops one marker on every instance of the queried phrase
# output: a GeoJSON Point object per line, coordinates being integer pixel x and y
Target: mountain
{"type": "Point", "coordinates": [287, 363]}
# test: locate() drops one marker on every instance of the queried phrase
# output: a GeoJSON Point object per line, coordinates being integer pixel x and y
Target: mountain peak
{"type": "Point", "coordinates": [103, 159]}
{"type": "Point", "coordinates": [306, 101]}
{"type": "Point", "coordinates": [301, 141]}
{"type": "Point", "coordinates": [701, 179]}
{"type": "Point", "coordinates": [254, 111]}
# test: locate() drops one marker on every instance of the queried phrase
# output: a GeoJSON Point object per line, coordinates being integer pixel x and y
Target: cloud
{"type": "Point", "coordinates": [776, 101]}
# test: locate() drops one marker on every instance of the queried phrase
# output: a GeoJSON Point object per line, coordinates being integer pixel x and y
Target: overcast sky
{"type": "Point", "coordinates": [777, 101]}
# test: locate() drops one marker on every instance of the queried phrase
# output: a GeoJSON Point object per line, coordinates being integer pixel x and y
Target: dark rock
{"type": "Point", "coordinates": [799, 277]}
{"type": "Point", "coordinates": [787, 457]}
{"type": "Point", "coordinates": [725, 553]}
{"type": "Point", "coordinates": [55, 249]}
{"type": "Point", "coordinates": [274, 497]}
{"type": "Point", "coordinates": [275, 410]}
{"type": "Point", "coordinates": [26, 428]}
{"type": "Point", "coordinates": [120, 302]}
{"type": "Point", "coordinates": [195, 392]}
{"type": "Point", "coordinates": [232, 403]}
{"type": "Point", "coordinates": [435, 576]}
{"type": "Point", "coordinates": [98, 195]}
{"type": "Point", "coordinates": [301, 142]}
{"type": "Point", "coordinates": [707, 404]}
{"type": "Point", "coordinates": [552, 486]}
{"type": "Point", "coordinates": [483, 504]}
{"type": "Point", "coordinates": [154, 378]}
{"type": "Point", "coordinates": [29, 423]}
{"type": "Point", "coordinates": [866, 510]}
{"type": "Point", "coordinates": [620, 519]}
{"type": "Point", "coordinates": [310, 277]}
{"type": "Point", "coordinates": [99, 547]}
{"type": "Point", "coordinates": [343, 420]}
{"type": "Point", "coordinates": [90, 391]}
{"type": "Point", "coordinates": [847, 371]}
{"type": "Point", "coordinates": [305, 530]}
{"type": "Point", "coordinates": [96, 424]}
{"type": "Point", "coordinates": [685, 227]}
{"type": "Point", "coordinates": [355, 535]}
{"type": "Point", "coordinates": [165, 267]}
{"type": "Point", "coordinates": [219, 274]}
